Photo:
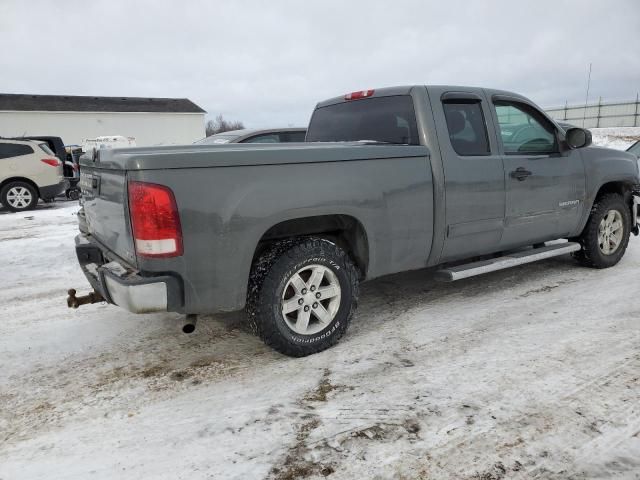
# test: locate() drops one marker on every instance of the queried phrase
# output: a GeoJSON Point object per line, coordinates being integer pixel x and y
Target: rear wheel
{"type": "Point", "coordinates": [606, 235]}
{"type": "Point", "coordinates": [302, 295]}
{"type": "Point", "coordinates": [19, 196]}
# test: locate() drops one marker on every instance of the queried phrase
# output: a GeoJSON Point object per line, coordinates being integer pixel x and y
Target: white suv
{"type": "Point", "coordinates": [28, 170]}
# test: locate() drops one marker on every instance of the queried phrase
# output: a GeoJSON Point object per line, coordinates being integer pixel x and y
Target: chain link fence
{"type": "Point", "coordinates": [599, 115]}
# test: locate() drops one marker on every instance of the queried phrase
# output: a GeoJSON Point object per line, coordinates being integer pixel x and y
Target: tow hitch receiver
{"type": "Point", "coordinates": [75, 302]}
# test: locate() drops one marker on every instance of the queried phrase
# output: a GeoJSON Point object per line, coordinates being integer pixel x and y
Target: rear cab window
{"type": "Point", "coordinates": [389, 119]}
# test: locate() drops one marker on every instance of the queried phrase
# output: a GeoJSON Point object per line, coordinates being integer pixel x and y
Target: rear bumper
{"type": "Point", "coordinates": [52, 191]}
{"type": "Point", "coordinates": [125, 287]}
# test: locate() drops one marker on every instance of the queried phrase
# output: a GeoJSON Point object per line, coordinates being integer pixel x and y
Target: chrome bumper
{"type": "Point", "coordinates": [124, 287]}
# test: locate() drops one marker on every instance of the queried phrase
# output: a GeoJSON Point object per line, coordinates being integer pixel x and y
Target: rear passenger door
{"type": "Point", "coordinates": [545, 187]}
{"type": "Point", "coordinates": [473, 171]}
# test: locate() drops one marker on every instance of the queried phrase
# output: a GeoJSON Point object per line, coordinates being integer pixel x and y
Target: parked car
{"type": "Point", "coordinates": [29, 170]}
{"type": "Point", "coordinates": [273, 135]}
{"type": "Point", "coordinates": [69, 167]}
{"type": "Point", "coordinates": [421, 177]}
{"type": "Point", "coordinates": [635, 149]}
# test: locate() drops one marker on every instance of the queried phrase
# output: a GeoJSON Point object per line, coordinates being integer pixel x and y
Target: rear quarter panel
{"type": "Point", "coordinates": [225, 211]}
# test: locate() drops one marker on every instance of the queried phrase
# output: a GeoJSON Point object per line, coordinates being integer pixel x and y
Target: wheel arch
{"type": "Point", "coordinates": [345, 230]}
{"type": "Point", "coordinates": [623, 188]}
{"type": "Point", "coordinates": [620, 187]}
{"type": "Point", "coordinates": [20, 179]}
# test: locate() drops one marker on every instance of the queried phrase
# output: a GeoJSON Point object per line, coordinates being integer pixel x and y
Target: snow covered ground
{"type": "Point", "coordinates": [532, 372]}
{"type": "Point", "coordinates": [619, 138]}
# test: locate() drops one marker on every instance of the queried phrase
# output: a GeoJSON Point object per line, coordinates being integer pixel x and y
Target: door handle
{"type": "Point", "coordinates": [520, 174]}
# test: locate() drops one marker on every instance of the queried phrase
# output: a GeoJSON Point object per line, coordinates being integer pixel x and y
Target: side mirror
{"type": "Point", "coordinates": [578, 137]}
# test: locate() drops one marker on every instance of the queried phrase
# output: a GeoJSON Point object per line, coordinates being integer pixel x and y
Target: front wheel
{"type": "Point", "coordinates": [606, 235]}
{"type": "Point", "coordinates": [302, 295]}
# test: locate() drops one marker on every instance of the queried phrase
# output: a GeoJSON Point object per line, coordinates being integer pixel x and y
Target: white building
{"type": "Point", "coordinates": [151, 121]}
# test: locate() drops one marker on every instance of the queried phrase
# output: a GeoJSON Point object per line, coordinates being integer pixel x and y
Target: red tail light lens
{"type": "Point", "coordinates": [54, 162]}
{"type": "Point", "coordinates": [155, 220]}
{"type": "Point", "coordinates": [359, 95]}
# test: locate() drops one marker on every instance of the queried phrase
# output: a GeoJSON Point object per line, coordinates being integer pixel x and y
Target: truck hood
{"type": "Point", "coordinates": [228, 155]}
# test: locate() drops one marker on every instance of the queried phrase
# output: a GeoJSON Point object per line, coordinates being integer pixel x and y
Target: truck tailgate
{"type": "Point", "coordinates": [104, 197]}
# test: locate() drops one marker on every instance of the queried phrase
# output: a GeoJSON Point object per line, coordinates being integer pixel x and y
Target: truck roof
{"type": "Point", "coordinates": [406, 90]}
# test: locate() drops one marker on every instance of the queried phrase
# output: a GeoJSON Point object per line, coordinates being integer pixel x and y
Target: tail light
{"type": "Point", "coordinates": [359, 95]}
{"type": "Point", "coordinates": [54, 162]}
{"type": "Point", "coordinates": [155, 220]}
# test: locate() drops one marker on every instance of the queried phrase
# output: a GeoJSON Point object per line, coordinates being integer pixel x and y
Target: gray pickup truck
{"type": "Point", "coordinates": [388, 180]}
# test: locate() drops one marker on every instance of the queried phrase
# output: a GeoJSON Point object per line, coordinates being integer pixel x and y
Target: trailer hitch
{"type": "Point", "coordinates": [75, 302]}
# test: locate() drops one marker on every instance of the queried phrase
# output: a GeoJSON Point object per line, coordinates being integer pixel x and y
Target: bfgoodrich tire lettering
{"type": "Point", "coordinates": [607, 212]}
{"type": "Point", "coordinates": [270, 286]}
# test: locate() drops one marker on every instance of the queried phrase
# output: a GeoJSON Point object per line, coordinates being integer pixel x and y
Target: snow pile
{"type": "Point", "coordinates": [619, 138]}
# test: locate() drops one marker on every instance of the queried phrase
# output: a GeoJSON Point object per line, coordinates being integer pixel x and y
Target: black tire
{"type": "Point", "coordinates": [11, 188]}
{"type": "Point", "coordinates": [73, 194]}
{"type": "Point", "coordinates": [270, 277]}
{"type": "Point", "coordinates": [591, 254]}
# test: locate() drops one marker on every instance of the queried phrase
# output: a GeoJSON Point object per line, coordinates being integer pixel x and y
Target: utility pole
{"type": "Point", "coordinates": [586, 100]}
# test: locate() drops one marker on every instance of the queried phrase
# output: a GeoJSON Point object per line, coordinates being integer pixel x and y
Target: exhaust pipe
{"type": "Point", "coordinates": [75, 302]}
{"type": "Point", "coordinates": [190, 323]}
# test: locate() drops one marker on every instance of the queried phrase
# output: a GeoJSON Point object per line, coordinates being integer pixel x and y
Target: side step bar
{"type": "Point", "coordinates": [507, 261]}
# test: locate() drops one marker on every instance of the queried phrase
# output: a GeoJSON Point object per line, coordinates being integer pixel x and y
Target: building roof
{"type": "Point", "coordinates": [68, 103]}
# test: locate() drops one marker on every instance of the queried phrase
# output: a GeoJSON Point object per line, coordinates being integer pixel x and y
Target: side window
{"type": "Point", "coordinates": [524, 130]}
{"type": "Point", "coordinates": [467, 128]}
{"type": "Point", "coordinates": [8, 150]}
{"type": "Point", "coordinates": [294, 136]}
{"type": "Point", "coordinates": [266, 138]}
{"type": "Point", "coordinates": [4, 150]}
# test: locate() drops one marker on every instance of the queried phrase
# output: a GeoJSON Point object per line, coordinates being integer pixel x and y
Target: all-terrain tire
{"type": "Point", "coordinates": [592, 254]}
{"type": "Point", "coordinates": [18, 196]}
{"type": "Point", "coordinates": [271, 280]}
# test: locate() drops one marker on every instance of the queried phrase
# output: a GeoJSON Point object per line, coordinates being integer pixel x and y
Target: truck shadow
{"type": "Point", "coordinates": [392, 295]}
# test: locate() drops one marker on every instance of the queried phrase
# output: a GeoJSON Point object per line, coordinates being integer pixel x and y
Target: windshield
{"type": "Point", "coordinates": [635, 149]}
{"type": "Point", "coordinates": [45, 148]}
{"type": "Point", "coordinates": [220, 138]}
{"type": "Point", "coordinates": [382, 119]}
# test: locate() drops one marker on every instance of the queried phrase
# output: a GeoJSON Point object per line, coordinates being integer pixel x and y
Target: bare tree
{"type": "Point", "coordinates": [220, 125]}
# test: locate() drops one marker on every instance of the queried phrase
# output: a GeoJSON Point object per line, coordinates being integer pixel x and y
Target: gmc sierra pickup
{"type": "Point", "coordinates": [388, 180]}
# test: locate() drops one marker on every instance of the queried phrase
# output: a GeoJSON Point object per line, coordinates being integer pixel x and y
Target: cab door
{"type": "Point", "coordinates": [545, 186]}
{"type": "Point", "coordinates": [473, 172]}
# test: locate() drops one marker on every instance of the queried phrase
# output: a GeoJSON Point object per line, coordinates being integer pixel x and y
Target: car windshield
{"type": "Point", "coordinates": [635, 149]}
{"type": "Point", "coordinates": [45, 148]}
{"type": "Point", "coordinates": [383, 119]}
{"type": "Point", "coordinates": [219, 138]}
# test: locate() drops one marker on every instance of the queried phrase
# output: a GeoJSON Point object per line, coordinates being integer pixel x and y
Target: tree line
{"type": "Point", "coordinates": [220, 125]}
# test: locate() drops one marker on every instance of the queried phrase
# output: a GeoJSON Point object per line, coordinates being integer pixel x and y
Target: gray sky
{"type": "Point", "coordinates": [268, 62]}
